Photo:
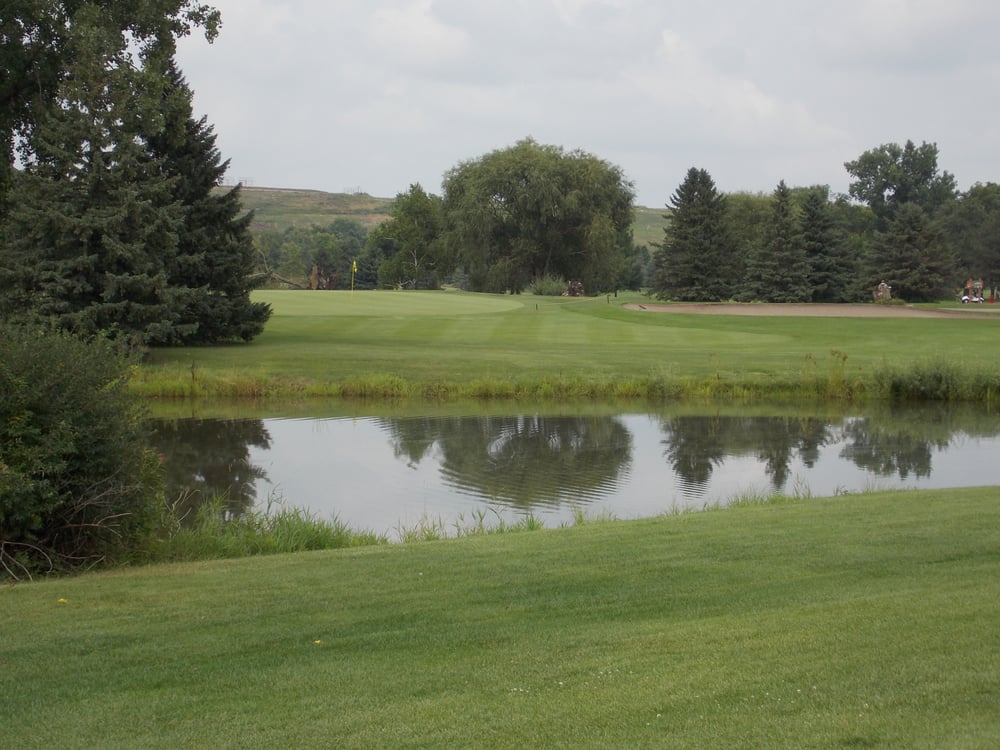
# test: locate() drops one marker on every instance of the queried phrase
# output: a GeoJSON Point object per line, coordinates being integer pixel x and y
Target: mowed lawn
{"type": "Point", "coordinates": [451, 337]}
{"type": "Point", "coordinates": [858, 621]}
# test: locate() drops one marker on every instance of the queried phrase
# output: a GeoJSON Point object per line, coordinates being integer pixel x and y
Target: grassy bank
{"type": "Point", "coordinates": [857, 621]}
{"type": "Point", "coordinates": [451, 345]}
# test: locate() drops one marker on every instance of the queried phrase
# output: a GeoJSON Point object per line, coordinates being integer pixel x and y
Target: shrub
{"type": "Point", "coordinates": [547, 286]}
{"type": "Point", "coordinates": [78, 483]}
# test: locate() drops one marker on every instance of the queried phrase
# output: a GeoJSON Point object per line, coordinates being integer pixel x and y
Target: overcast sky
{"type": "Point", "coordinates": [374, 95]}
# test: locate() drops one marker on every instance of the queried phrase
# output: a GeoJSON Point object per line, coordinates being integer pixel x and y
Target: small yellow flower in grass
{"type": "Point", "coordinates": [317, 641]}
{"type": "Point", "coordinates": [61, 601]}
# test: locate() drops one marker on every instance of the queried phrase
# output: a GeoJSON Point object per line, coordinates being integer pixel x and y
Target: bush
{"type": "Point", "coordinates": [547, 286]}
{"type": "Point", "coordinates": [78, 482]}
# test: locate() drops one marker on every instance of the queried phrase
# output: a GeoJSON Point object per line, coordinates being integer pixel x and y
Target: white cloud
{"type": "Point", "coordinates": [413, 35]}
{"type": "Point", "coordinates": [383, 93]}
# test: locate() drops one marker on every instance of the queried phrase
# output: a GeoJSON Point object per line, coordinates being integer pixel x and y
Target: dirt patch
{"type": "Point", "coordinates": [819, 310]}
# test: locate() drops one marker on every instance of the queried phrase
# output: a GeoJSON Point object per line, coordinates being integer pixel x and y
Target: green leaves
{"type": "Point", "coordinates": [76, 478]}
{"type": "Point", "coordinates": [534, 210]}
{"type": "Point", "coordinates": [888, 176]}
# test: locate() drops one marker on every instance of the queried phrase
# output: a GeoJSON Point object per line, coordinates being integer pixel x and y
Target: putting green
{"type": "Point", "coordinates": [384, 304]}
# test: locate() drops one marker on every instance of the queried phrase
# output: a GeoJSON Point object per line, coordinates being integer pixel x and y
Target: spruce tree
{"type": "Point", "coordinates": [92, 222]}
{"type": "Point", "coordinates": [695, 260]}
{"type": "Point", "coordinates": [778, 271]}
{"type": "Point", "coordinates": [829, 269]}
{"type": "Point", "coordinates": [211, 271]}
{"type": "Point", "coordinates": [913, 257]}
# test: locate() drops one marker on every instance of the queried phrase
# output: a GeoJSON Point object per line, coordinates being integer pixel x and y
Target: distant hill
{"type": "Point", "coordinates": [280, 208]}
{"type": "Point", "coordinates": [648, 226]}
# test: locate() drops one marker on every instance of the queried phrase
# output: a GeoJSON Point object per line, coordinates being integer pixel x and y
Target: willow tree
{"type": "Point", "coordinates": [533, 210]}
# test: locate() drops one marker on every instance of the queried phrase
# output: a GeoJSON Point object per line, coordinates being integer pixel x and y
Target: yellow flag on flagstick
{"type": "Point", "coordinates": [354, 269]}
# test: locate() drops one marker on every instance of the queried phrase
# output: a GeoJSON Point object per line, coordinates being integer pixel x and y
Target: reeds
{"type": "Point", "coordinates": [818, 380]}
{"type": "Point", "coordinates": [939, 379]}
{"type": "Point", "coordinates": [215, 533]}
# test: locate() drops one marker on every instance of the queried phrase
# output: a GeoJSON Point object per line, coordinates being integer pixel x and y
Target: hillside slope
{"type": "Point", "coordinates": [279, 208]}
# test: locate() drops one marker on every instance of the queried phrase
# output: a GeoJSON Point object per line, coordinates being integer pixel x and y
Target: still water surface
{"type": "Point", "coordinates": [385, 473]}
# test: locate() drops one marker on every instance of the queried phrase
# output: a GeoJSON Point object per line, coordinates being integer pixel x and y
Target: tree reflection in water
{"type": "Point", "coordinates": [887, 452]}
{"type": "Point", "coordinates": [635, 463]}
{"type": "Point", "coordinates": [695, 445]}
{"type": "Point", "coordinates": [524, 460]}
{"type": "Point", "coordinates": [207, 458]}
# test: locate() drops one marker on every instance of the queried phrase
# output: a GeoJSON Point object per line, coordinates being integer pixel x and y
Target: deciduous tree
{"type": "Point", "coordinates": [532, 211]}
{"type": "Point", "coordinates": [891, 175]}
{"type": "Point", "coordinates": [412, 238]}
{"type": "Point", "coordinates": [972, 230]}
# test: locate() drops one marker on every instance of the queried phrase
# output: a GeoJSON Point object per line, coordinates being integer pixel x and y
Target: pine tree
{"type": "Point", "coordinates": [211, 270]}
{"type": "Point", "coordinates": [697, 254]}
{"type": "Point", "coordinates": [829, 269]}
{"type": "Point", "coordinates": [913, 257]}
{"type": "Point", "coordinates": [778, 271]}
{"type": "Point", "coordinates": [92, 222]}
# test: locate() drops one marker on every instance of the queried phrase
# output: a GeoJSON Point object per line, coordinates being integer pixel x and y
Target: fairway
{"type": "Point", "coordinates": [384, 304]}
{"type": "Point", "coordinates": [856, 621]}
{"type": "Point", "coordinates": [456, 344]}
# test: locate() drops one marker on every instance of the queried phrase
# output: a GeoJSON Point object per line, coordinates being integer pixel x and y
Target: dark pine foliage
{"type": "Point", "coordinates": [829, 269]}
{"type": "Point", "coordinates": [777, 271]}
{"type": "Point", "coordinates": [211, 268]}
{"type": "Point", "coordinates": [912, 256]}
{"type": "Point", "coordinates": [91, 219]}
{"type": "Point", "coordinates": [695, 261]}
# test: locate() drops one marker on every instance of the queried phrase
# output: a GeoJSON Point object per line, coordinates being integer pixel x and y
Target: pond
{"type": "Point", "coordinates": [387, 473]}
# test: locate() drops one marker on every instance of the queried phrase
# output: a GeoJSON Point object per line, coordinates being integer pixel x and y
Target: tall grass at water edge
{"type": "Point", "coordinates": [938, 379]}
{"type": "Point", "coordinates": [213, 533]}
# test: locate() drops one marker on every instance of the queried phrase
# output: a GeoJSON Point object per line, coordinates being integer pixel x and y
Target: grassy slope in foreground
{"type": "Point", "coordinates": [449, 341]}
{"type": "Point", "coordinates": [858, 621]}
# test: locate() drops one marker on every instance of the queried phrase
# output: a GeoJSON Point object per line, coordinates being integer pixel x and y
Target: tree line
{"type": "Point", "coordinates": [903, 223]}
{"type": "Point", "coordinates": [112, 222]}
{"type": "Point", "coordinates": [518, 217]}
